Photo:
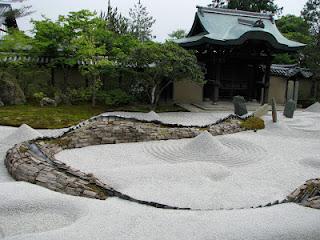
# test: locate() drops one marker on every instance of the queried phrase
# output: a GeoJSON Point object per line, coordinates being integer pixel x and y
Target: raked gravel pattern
{"type": "Point", "coordinates": [32, 212]}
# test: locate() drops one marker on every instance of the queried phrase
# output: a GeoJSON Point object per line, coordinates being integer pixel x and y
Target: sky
{"type": "Point", "coordinates": [170, 15]}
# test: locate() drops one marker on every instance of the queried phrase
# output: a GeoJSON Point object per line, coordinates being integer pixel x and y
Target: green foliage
{"type": "Point", "coordinates": [39, 96]}
{"type": "Point", "coordinates": [294, 28]}
{"type": "Point", "coordinates": [115, 21]}
{"type": "Point", "coordinates": [141, 22]}
{"type": "Point", "coordinates": [16, 42]}
{"type": "Point", "coordinates": [79, 96]}
{"type": "Point", "coordinates": [253, 123]}
{"type": "Point", "coordinates": [255, 5]}
{"type": "Point", "coordinates": [217, 4]}
{"type": "Point", "coordinates": [311, 13]}
{"type": "Point", "coordinates": [114, 98]}
{"type": "Point", "coordinates": [162, 64]}
{"type": "Point", "coordinates": [178, 34]}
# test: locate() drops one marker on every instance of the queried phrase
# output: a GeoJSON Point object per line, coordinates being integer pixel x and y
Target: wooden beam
{"type": "Point", "coordinates": [267, 83]}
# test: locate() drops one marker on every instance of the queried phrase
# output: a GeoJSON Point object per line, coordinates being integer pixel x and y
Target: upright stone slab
{"type": "Point", "coordinates": [261, 111]}
{"type": "Point", "coordinates": [274, 110]}
{"type": "Point", "coordinates": [290, 90]}
{"type": "Point", "coordinates": [240, 107]}
{"type": "Point", "coordinates": [289, 109]}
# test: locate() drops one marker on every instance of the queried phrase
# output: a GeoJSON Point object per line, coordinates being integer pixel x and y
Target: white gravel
{"type": "Point", "coordinates": [23, 133]}
{"type": "Point", "coordinates": [282, 157]}
{"type": "Point", "coordinates": [183, 118]}
{"type": "Point", "coordinates": [240, 170]}
{"type": "Point", "coordinates": [314, 108]}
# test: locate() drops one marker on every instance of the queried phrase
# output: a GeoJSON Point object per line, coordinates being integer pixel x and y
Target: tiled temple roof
{"type": "Point", "coordinates": [290, 71]}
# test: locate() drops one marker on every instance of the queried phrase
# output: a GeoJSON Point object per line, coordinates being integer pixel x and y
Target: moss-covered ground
{"type": "Point", "coordinates": [64, 116]}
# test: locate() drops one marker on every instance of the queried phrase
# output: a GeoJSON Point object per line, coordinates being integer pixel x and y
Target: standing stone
{"type": "Point", "coordinates": [261, 111]}
{"type": "Point", "coordinates": [1, 103]}
{"type": "Point", "coordinates": [290, 90]}
{"type": "Point", "coordinates": [10, 91]}
{"type": "Point", "coordinates": [274, 111]}
{"type": "Point", "coordinates": [240, 107]}
{"type": "Point", "coordinates": [289, 109]}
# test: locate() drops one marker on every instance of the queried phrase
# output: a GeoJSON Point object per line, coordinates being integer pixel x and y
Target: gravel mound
{"type": "Point", "coordinates": [23, 133]}
{"type": "Point", "coordinates": [225, 151]}
{"type": "Point", "coordinates": [152, 116]}
{"type": "Point", "coordinates": [314, 108]}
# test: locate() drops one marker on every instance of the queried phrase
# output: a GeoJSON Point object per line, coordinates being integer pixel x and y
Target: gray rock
{"type": "Point", "coordinates": [240, 107]}
{"type": "Point", "coordinates": [1, 103]}
{"type": "Point", "coordinates": [47, 102]}
{"type": "Point", "coordinates": [261, 111]}
{"type": "Point", "coordinates": [290, 108]}
{"type": "Point", "coordinates": [10, 91]}
{"type": "Point", "coordinates": [274, 110]}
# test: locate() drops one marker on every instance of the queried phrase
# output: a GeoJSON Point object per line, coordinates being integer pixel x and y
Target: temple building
{"type": "Point", "coordinates": [236, 49]}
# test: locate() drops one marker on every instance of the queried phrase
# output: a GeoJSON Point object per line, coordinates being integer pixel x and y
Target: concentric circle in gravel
{"type": "Point", "coordinates": [223, 150]}
{"type": "Point", "coordinates": [22, 217]}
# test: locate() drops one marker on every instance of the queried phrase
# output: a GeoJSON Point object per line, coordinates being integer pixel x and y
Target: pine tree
{"type": "Point", "coordinates": [255, 5]}
{"type": "Point", "coordinates": [141, 22]}
{"type": "Point", "coordinates": [12, 14]}
{"type": "Point", "coordinates": [311, 13]}
{"type": "Point", "coordinates": [217, 4]}
{"type": "Point", "coordinates": [115, 21]}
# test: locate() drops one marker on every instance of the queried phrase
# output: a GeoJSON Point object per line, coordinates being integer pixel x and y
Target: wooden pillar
{"type": "Point", "coordinates": [267, 83]}
{"type": "Point", "coordinates": [296, 91]}
{"type": "Point", "coordinates": [217, 83]}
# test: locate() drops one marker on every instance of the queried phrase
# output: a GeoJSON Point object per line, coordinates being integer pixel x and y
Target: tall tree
{"type": "Point", "coordinates": [115, 21]}
{"type": "Point", "coordinates": [296, 29]}
{"type": "Point", "coordinates": [255, 5]}
{"type": "Point", "coordinates": [141, 22]}
{"type": "Point", "coordinates": [311, 13]}
{"type": "Point", "coordinates": [159, 65]}
{"type": "Point", "coordinates": [218, 4]}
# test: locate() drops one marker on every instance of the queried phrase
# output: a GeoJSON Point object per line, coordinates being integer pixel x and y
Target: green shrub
{"type": "Point", "coordinates": [79, 96]}
{"type": "Point", "coordinates": [38, 96]}
{"type": "Point", "coordinates": [253, 123]}
{"type": "Point", "coordinates": [114, 98]}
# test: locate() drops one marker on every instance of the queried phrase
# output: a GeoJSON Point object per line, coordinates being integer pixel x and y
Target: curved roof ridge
{"type": "Point", "coordinates": [236, 12]}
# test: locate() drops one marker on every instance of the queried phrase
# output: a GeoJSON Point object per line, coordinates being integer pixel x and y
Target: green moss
{"type": "Point", "coordinates": [253, 123]}
{"type": "Point", "coordinates": [102, 193]}
{"type": "Point", "coordinates": [23, 149]}
{"type": "Point", "coordinates": [63, 116]}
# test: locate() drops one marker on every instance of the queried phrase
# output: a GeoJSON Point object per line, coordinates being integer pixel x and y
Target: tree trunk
{"type": "Point", "coordinates": [93, 102]}
{"type": "Point", "coordinates": [52, 80]}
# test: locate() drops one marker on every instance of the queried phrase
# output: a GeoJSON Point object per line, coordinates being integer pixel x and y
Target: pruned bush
{"type": "Point", "coordinates": [114, 98]}
{"type": "Point", "coordinates": [79, 96]}
{"type": "Point", "coordinates": [253, 123]}
{"type": "Point", "coordinates": [38, 96]}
